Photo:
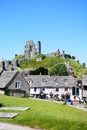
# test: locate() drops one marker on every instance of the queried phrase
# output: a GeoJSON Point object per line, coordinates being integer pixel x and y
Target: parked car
{"type": "Point", "coordinates": [68, 101]}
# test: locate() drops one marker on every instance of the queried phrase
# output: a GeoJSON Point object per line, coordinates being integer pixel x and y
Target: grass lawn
{"type": "Point", "coordinates": [45, 114]}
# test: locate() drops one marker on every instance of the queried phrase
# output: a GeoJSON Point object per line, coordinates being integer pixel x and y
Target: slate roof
{"type": "Point", "coordinates": [1, 70]}
{"type": "Point", "coordinates": [39, 80]}
{"type": "Point", "coordinates": [84, 80]}
{"type": "Point", "coordinates": [6, 77]}
{"type": "Point", "coordinates": [51, 81]}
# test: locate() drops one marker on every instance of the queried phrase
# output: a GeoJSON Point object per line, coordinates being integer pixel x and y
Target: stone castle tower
{"type": "Point", "coordinates": [30, 50]}
{"type": "Point", "coordinates": [39, 47]}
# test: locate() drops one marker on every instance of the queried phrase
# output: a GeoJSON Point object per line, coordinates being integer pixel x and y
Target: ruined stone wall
{"type": "Point", "coordinates": [29, 50]}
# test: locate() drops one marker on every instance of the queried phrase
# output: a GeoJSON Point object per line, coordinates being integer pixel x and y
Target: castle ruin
{"type": "Point", "coordinates": [30, 49]}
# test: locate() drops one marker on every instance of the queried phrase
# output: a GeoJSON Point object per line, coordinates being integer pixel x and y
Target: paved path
{"type": "Point", "coordinates": [84, 108]}
{"type": "Point", "coordinates": [7, 126]}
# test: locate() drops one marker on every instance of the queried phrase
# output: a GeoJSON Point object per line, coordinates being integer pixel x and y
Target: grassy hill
{"type": "Point", "coordinates": [48, 62]}
{"type": "Point", "coordinates": [45, 114]}
{"type": "Point", "coordinates": [79, 70]}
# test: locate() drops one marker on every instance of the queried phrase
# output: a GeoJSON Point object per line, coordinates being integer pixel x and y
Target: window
{"type": "Point", "coordinates": [43, 89]}
{"type": "Point", "coordinates": [73, 91]}
{"type": "Point", "coordinates": [55, 80]}
{"type": "Point", "coordinates": [65, 83]}
{"type": "Point", "coordinates": [57, 89]}
{"type": "Point", "coordinates": [65, 79]}
{"type": "Point", "coordinates": [77, 91]}
{"type": "Point", "coordinates": [66, 89]}
{"type": "Point", "coordinates": [30, 81]}
{"type": "Point", "coordinates": [85, 87]}
{"type": "Point", "coordinates": [30, 48]}
{"type": "Point", "coordinates": [17, 84]}
{"type": "Point", "coordinates": [35, 89]}
{"type": "Point", "coordinates": [44, 80]}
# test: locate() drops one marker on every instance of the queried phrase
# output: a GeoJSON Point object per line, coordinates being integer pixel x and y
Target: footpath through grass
{"type": "Point", "coordinates": [45, 114]}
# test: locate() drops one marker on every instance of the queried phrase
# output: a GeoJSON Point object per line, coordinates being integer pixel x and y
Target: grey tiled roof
{"type": "Point", "coordinates": [84, 80]}
{"type": "Point", "coordinates": [51, 81]}
{"type": "Point", "coordinates": [6, 77]}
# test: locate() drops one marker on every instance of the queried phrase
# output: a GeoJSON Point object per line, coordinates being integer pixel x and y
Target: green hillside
{"type": "Point", "coordinates": [79, 70]}
{"type": "Point", "coordinates": [48, 62]}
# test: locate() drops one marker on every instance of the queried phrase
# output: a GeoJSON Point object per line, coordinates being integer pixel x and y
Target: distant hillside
{"type": "Point", "coordinates": [48, 62]}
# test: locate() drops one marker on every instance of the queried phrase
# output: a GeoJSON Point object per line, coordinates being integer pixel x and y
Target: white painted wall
{"type": "Point", "coordinates": [2, 92]}
{"type": "Point", "coordinates": [53, 90]}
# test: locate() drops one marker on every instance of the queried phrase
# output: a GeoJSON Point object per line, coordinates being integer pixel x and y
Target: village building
{"type": "Point", "coordinates": [54, 85]}
{"type": "Point", "coordinates": [21, 84]}
{"type": "Point", "coordinates": [84, 86]}
{"type": "Point", "coordinates": [13, 83]}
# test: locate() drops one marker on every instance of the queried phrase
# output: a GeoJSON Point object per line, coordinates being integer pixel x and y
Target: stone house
{"type": "Point", "coordinates": [56, 85]}
{"type": "Point", "coordinates": [84, 85]}
{"type": "Point", "coordinates": [13, 83]}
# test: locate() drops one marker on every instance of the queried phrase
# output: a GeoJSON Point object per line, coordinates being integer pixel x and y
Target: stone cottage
{"type": "Point", "coordinates": [84, 85]}
{"type": "Point", "coordinates": [13, 83]}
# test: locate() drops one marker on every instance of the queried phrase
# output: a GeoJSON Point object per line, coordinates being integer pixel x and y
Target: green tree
{"type": "Point", "coordinates": [73, 57]}
{"type": "Point", "coordinates": [78, 61]}
{"type": "Point", "coordinates": [68, 56]}
{"type": "Point", "coordinates": [40, 70]}
{"type": "Point", "coordinates": [59, 69]}
{"type": "Point", "coordinates": [84, 65]}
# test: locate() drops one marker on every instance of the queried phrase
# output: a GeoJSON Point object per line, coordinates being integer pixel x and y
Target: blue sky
{"type": "Point", "coordinates": [58, 24]}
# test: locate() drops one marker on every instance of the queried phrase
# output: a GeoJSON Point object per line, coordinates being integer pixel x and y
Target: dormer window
{"type": "Point", "coordinates": [30, 81]}
{"type": "Point", "coordinates": [79, 83]}
{"type": "Point", "coordinates": [65, 83]}
{"type": "Point", "coordinates": [17, 84]}
{"type": "Point", "coordinates": [56, 81]}
{"type": "Point", "coordinates": [44, 80]}
{"type": "Point", "coordinates": [65, 79]}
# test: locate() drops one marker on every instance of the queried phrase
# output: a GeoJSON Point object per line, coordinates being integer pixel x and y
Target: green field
{"type": "Point", "coordinates": [46, 114]}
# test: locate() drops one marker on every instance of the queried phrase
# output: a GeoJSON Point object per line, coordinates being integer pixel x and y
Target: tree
{"type": "Point", "coordinates": [40, 70]}
{"type": "Point", "coordinates": [77, 61]}
{"type": "Point", "coordinates": [59, 69]}
{"type": "Point", "coordinates": [84, 65]}
{"type": "Point", "coordinates": [15, 55]}
{"type": "Point", "coordinates": [68, 56]}
{"type": "Point", "coordinates": [73, 57]}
